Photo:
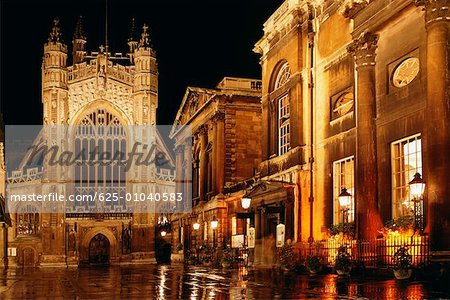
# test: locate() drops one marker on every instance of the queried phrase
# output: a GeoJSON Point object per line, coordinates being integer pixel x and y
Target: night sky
{"type": "Point", "coordinates": [197, 43]}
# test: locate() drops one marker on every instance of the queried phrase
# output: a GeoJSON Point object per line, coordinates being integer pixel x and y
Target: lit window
{"type": "Point", "coordinates": [343, 105]}
{"type": "Point", "coordinates": [343, 172]}
{"type": "Point", "coordinates": [283, 125]}
{"type": "Point", "coordinates": [406, 155]}
{"type": "Point", "coordinates": [283, 75]}
{"type": "Point", "coordinates": [233, 226]}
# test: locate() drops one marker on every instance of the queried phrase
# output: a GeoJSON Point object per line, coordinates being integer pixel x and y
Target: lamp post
{"type": "Point", "coordinates": [214, 224]}
{"type": "Point", "coordinates": [417, 188]}
{"type": "Point", "coordinates": [196, 227]}
{"type": "Point", "coordinates": [245, 202]}
{"type": "Point", "coordinates": [345, 199]}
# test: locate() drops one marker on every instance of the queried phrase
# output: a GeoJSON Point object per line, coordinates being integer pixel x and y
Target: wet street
{"type": "Point", "coordinates": [178, 282]}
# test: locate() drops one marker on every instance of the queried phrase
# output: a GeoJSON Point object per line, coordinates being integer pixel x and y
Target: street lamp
{"type": "Point", "coordinates": [245, 202]}
{"type": "Point", "coordinates": [214, 224]}
{"type": "Point", "coordinates": [196, 226]}
{"type": "Point", "coordinates": [345, 199]}
{"type": "Point", "coordinates": [417, 188]}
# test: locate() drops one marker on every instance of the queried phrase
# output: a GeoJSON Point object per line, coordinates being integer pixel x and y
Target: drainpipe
{"type": "Point", "coordinates": [311, 120]}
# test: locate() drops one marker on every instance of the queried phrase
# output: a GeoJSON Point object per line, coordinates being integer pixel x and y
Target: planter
{"type": "Point", "coordinates": [343, 272]}
{"type": "Point", "coordinates": [208, 264]}
{"type": "Point", "coordinates": [314, 271]}
{"type": "Point", "coordinates": [402, 274]}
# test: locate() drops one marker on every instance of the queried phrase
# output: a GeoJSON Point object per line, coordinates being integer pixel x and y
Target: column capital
{"type": "Point", "coordinates": [218, 116]}
{"type": "Point", "coordinates": [179, 149]}
{"type": "Point", "coordinates": [202, 130]}
{"type": "Point", "coordinates": [435, 10]}
{"type": "Point", "coordinates": [363, 48]}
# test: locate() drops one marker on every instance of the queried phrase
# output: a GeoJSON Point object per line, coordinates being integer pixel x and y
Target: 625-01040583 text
{"type": "Point", "coordinates": [98, 196]}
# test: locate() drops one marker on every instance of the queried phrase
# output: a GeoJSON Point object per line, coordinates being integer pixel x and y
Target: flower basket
{"type": "Point", "coordinates": [402, 263]}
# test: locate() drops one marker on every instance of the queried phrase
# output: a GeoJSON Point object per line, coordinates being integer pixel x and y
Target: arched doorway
{"type": "Point", "coordinates": [99, 250]}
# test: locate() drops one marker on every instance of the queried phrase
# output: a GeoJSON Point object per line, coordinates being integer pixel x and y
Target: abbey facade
{"type": "Point", "coordinates": [101, 96]}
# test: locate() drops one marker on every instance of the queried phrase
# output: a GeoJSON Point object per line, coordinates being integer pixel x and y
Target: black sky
{"type": "Point", "coordinates": [197, 42]}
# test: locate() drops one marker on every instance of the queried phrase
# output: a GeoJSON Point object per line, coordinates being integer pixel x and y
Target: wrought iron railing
{"type": "Point", "coordinates": [370, 253]}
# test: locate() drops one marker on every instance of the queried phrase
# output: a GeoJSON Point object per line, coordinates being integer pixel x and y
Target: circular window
{"type": "Point", "coordinates": [405, 72]}
{"type": "Point", "coordinates": [343, 104]}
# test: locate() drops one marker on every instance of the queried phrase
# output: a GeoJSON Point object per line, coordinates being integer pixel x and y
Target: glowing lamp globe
{"type": "Point", "coordinates": [196, 226]}
{"type": "Point", "coordinates": [417, 186]}
{"type": "Point", "coordinates": [245, 202]}
{"type": "Point", "coordinates": [345, 198]}
{"type": "Point", "coordinates": [214, 223]}
{"type": "Point", "coordinates": [163, 233]}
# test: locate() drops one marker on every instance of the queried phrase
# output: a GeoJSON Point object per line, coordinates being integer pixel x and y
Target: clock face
{"type": "Point", "coordinates": [405, 72]}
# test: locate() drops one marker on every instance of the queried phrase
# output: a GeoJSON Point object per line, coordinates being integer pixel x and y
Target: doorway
{"type": "Point", "coordinates": [99, 250]}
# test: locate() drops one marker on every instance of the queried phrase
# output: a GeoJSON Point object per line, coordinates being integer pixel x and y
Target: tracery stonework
{"type": "Point", "coordinates": [83, 93]}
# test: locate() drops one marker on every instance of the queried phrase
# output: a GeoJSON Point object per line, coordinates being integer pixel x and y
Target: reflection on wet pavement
{"type": "Point", "coordinates": [179, 282]}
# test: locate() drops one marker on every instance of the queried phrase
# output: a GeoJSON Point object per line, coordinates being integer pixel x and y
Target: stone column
{"type": "Point", "coordinates": [219, 167]}
{"type": "Point", "coordinates": [214, 155]}
{"type": "Point", "coordinates": [203, 176]}
{"type": "Point", "coordinates": [437, 123]}
{"type": "Point", "coordinates": [187, 171]}
{"type": "Point", "coordinates": [179, 152]}
{"type": "Point", "coordinates": [368, 218]}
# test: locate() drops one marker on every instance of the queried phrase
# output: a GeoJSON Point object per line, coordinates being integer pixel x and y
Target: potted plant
{"type": "Point", "coordinates": [402, 224]}
{"type": "Point", "coordinates": [191, 258]}
{"type": "Point", "coordinates": [206, 254]}
{"type": "Point", "coordinates": [287, 257]}
{"type": "Point", "coordinates": [402, 263]}
{"type": "Point", "coordinates": [343, 261]}
{"type": "Point", "coordinates": [227, 258]}
{"type": "Point", "coordinates": [343, 230]}
{"type": "Point", "coordinates": [313, 264]}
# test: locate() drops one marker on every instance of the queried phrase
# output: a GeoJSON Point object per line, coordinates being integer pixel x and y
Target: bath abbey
{"type": "Point", "coordinates": [91, 100]}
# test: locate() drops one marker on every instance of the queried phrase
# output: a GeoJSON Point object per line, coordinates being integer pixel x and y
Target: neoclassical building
{"type": "Point", "coordinates": [217, 141]}
{"type": "Point", "coordinates": [354, 95]}
{"type": "Point", "coordinates": [104, 98]}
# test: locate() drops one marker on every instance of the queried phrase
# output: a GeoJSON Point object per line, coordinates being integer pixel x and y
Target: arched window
{"type": "Point", "coordinates": [283, 114]}
{"type": "Point", "coordinates": [102, 133]}
{"type": "Point", "coordinates": [283, 75]}
{"type": "Point", "coordinates": [284, 127]}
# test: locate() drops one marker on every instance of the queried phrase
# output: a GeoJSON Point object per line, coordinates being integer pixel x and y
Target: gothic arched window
{"type": "Point", "coordinates": [100, 132]}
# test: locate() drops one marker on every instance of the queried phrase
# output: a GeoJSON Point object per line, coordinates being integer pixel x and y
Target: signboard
{"type": "Point", "coordinates": [237, 241]}
{"type": "Point", "coordinates": [280, 235]}
{"type": "Point", "coordinates": [12, 251]}
{"type": "Point", "coordinates": [251, 237]}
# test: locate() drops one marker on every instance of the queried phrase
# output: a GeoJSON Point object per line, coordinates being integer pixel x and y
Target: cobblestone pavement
{"type": "Point", "coordinates": [178, 282]}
